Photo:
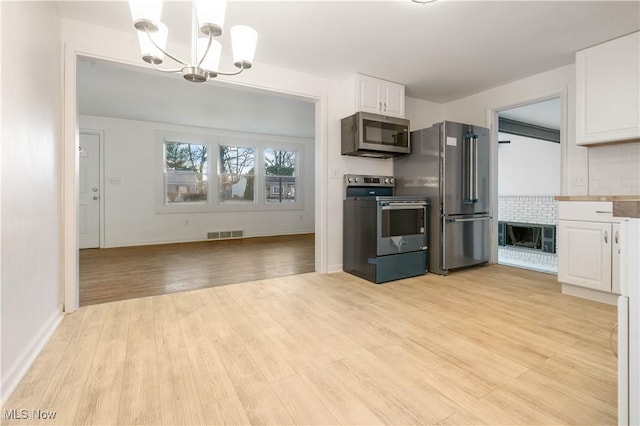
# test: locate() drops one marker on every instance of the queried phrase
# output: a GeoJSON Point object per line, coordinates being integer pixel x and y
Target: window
{"type": "Point", "coordinates": [236, 174]}
{"type": "Point", "coordinates": [186, 173]}
{"type": "Point", "coordinates": [280, 176]}
{"type": "Point", "coordinates": [223, 171]}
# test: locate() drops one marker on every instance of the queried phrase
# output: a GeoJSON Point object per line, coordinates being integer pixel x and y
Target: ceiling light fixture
{"type": "Point", "coordinates": [207, 22]}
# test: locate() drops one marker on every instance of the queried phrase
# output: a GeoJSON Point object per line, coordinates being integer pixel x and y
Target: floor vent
{"type": "Point", "coordinates": [223, 235]}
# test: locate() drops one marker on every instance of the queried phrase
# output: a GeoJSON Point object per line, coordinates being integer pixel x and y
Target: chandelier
{"type": "Point", "coordinates": [207, 20]}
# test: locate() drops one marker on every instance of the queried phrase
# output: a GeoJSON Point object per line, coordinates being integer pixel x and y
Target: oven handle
{"type": "Point", "coordinates": [469, 219]}
{"type": "Point", "coordinates": [403, 206]}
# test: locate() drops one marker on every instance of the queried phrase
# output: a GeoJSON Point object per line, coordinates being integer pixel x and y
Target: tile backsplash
{"type": "Point", "coordinates": [614, 169]}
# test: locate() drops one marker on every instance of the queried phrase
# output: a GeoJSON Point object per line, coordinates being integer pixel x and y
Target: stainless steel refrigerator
{"type": "Point", "coordinates": [449, 163]}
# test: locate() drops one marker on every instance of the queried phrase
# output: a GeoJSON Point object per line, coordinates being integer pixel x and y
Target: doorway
{"type": "Point", "coordinates": [529, 176]}
{"type": "Point", "coordinates": [138, 207]}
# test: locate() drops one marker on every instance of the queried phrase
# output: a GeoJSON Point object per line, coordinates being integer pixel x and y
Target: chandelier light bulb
{"type": "Point", "coordinates": [150, 53]}
{"type": "Point", "coordinates": [211, 16]}
{"type": "Point", "coordinates": [146, 14]}
{"type": "Point", "coordinates": [243, 43]}
{"type": "Point", "coordinates": [211, 61]}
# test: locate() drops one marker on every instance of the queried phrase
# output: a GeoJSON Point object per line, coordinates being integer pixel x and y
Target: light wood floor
{"type": "Point", "coordinates": [492, 345]}
{"type": "Point", "coordinates": [107, 275]}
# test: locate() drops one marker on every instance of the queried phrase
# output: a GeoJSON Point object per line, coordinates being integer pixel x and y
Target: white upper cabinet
{"type": "Point", "coordinates": [608, 91]}
{"type": "Point", "coordinates": [379, 96]}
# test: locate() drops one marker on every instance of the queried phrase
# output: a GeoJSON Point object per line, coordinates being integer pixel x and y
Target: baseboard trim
{"type": "Point", "coordinates": [586, 293]}
{"type": "Point", "coordinates": [334, 268]}
{"type": "Point", "coordinates": [12, 376]}
{"type": "Point", "coordinates": [197, 240]}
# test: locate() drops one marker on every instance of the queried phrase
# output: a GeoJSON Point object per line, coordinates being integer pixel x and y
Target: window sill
{"type": "Point", "coordinates": [227, 207]}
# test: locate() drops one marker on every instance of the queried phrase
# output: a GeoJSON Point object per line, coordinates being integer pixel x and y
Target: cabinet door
{"type": "Point", "coordinates": [607, 87]}
{"type": "Point", "coordinates": [615, 258]}
{"type": "Point", "coordinates": [368, 94]}
{"type": "Point", "coordinates": [392, 99]}
{"type": "Point", "coordinates": [584, 254]}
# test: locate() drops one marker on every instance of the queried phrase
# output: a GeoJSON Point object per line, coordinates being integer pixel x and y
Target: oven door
{"type": "Point", "coordinates": [402, 227]}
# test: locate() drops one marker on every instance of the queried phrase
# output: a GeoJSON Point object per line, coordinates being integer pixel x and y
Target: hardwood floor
{"type": "Point", "coordinates": [493, 345]}
{"type": "Point", "coordinates": [107, 275]}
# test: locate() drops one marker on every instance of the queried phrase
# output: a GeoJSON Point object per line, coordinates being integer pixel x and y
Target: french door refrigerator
{"type": "Point", "coordinates": [450, 164]}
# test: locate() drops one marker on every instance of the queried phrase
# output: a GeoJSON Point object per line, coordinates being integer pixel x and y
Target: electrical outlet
{"type": "Point", "coordinates": [579, 180]}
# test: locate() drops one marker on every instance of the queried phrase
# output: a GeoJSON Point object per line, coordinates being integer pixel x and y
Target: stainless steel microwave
{"type": "Point", "coordinates": [373, 135]}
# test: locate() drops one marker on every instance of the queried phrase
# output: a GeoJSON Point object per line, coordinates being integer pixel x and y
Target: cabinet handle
{"type": "Point", "coordinates": [606, 237]}
{"type": "Point", "coordinates": [603, 211]}
{"type": "Point", "coordinates": [615, 238]}
{"type": "Point", "coordinates": [611, 345]}
{"type": "Point", "coordinates": [385, 106]}
{"type": "Point", "coordinates": [379, 106]}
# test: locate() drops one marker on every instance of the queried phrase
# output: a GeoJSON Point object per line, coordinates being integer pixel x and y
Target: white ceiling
{"type": "Point", "coordinates": [440, 51]}
{"type": "Point", "coordinates": [134, 93]}
{"type": "Point", "coordinates": [546, 113]}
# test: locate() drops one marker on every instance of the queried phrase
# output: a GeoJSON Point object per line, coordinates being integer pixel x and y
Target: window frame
{"type": "Point", "coordinates": [165, 173]}
{"type": "Point", "coordinates": [295, 176]}
{"type": "Point", "coordinates": [214, 140]}
{"type": "Point", "coordinates": [219, 174]}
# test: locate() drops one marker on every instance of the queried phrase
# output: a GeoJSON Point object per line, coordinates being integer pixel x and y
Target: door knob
{"type": "Point", "coordinates": [95, 189]}
{"type": "Point", "coordinates": [96, 197]}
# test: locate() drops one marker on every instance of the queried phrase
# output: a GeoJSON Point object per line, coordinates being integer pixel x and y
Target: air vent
{"type": "Point", "coordinates": [224, 235]}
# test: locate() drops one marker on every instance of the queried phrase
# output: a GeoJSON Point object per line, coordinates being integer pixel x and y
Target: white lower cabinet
{"type": "Point", "coordinates": [589, 248]}
{"type": "Point", "coordinates": [585, 254]}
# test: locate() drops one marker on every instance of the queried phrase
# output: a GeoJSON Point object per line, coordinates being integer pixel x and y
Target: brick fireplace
{"type": "Point", "coordinates": [527, 237]}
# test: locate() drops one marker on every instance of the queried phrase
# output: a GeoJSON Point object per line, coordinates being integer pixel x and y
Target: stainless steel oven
{"type": "Point", "coordinates": [402, 224]}
{"type": "Point", "coordinates": [384, 236]}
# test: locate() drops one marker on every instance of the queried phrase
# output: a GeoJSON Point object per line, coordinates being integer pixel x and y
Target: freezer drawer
{"type": "Point", "coordinates": [465, 241]}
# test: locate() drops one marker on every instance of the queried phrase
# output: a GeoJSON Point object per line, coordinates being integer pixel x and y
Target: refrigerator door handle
{"type": "Point", "coordinates": [467, 219]}
{"type": "Point", "coordinates": [474, 163]}
{"type": "Point", "coordinates": [471, 196]}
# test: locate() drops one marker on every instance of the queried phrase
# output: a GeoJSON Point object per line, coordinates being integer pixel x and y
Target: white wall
{"type": "Point", "coordinates": [475, 110]}
{"type": "Point", "coordinates": [423, 114]}
{"type": "Point", "coordinates": [31, 147]}
{"type": "Point", "coordinates": [130, 156]}
{"type": "Point", "coordinates": [528, 166]}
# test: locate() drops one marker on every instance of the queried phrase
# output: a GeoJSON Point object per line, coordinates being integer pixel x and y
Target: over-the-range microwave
{"type": "Point", "coordinates": [372, 135]}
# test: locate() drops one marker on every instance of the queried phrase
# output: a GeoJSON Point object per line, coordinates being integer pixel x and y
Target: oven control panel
{"type": "Point", "coordinates": [368, 180]}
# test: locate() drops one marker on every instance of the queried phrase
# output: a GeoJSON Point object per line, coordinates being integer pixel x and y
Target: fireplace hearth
{"type": "Point", "coordinates": [527, 236]}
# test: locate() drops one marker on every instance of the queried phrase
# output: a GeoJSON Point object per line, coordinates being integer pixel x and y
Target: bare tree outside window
{"type": "Point", "coordinates": [236, 174]}
{"type": "Point", "coordinates": [186, 172]}
{"type": "Point", "coordinates": [280, 176]}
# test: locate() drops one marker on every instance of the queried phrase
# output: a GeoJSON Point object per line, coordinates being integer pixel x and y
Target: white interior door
{"type": "Point", "coordinates": [89, 191]}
